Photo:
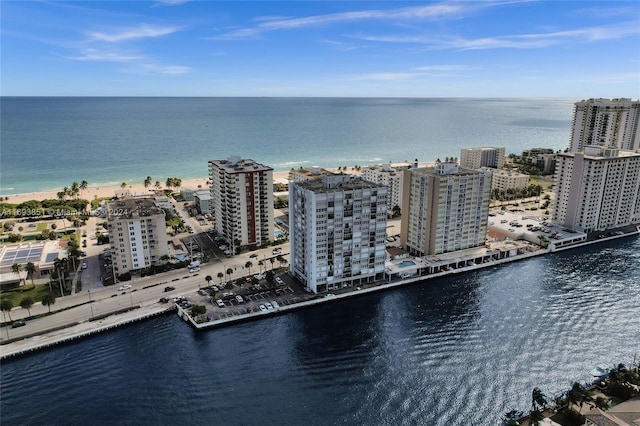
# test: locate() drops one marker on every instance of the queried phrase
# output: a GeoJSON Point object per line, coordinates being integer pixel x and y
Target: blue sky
{"type": "Point", "coordinates": [572, 49]}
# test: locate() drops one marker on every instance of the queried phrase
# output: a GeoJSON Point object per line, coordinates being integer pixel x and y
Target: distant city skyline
{"type": "Point", "coordinates": [351, 49]}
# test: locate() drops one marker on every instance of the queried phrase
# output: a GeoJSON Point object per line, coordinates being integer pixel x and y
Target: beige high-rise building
{"type": "Point", "coordinates": [445, 208]}
{"type": "Point", "coordinates": [597, 189]}
{"type": "Point", "coordinates": [606, 123]}
{"type": "Point", "coordinates": [475, 158]}
{"type": "Point", "coordinates": [337, 230]}
{"type": "Point", "coordinates": [242, 201]}
{"type": "Point", "coordinates": [137, 234]}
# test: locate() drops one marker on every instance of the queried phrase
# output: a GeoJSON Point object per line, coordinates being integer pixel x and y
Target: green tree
{"type": "Point", "coordinates": [538, 399]}
{"type": "Point", "coordinates": [270, 277]}
{"type": "Point", "coordinates": [248, 265]}
{"type": "Point", "coordinates": [601, 403]}
{"type": "Point", "coordinates": [27, 303]}
{"type": "Point", "coordinates": [147, 182]}
{"type": "Point", "coordinates": [31, 270]}
{"type": "Point", "coordinates": [536, 417]}
{"type": "Point", "coordinates": [197, 310]}
{"type": "Point", "coordinates": [16, 268]}
{"type": "Point", "coordinates": [75, 189]}
{"type": "Point", "coordinates": [221, 276]}
{"type": "Point", "coordinates": [396, 211]}
{"type": "Point", "coordinates": [48, 300]}
{"type": "Point", "coordinates": [229, 272]}
{"type": "Point", "coordinates": [123, 185]}
{"type": "Point", "coordinates": [84, 185]}
{"type": "Point", "coordinates": [208, 279]}
{"type": "Point", "coordinates": [6, 305]}
{"type": "Point", "coordinates": [158, 185]}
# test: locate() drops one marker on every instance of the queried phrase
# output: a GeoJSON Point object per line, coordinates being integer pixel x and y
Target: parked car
{"type": "Point", "coordinates": [169, 288]}
{"type": "Point", "coordinates": [268, 305]}
{"type": "Point", "coordinates": [220, 303]}
{"type": "Point", "coordinates": [275, 304]}
{"type": "Point", "coordinates": [84, 265]}
{"type": "Point", "coordinates": [263, 308]}
{"type": "Point", "coordinates": [239, 299]}
{"type": "Point", "coordinates": [194, 270]}
{"type": "Point", "coordinates": [279, 281]}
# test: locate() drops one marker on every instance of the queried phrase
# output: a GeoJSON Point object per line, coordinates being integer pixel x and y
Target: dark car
{"type": "Point", "coordinates": [164, 300]}
{"type": "Point", "coordinates": [169, 288]}
{"type": "Point", "coordinates": [253, 255]}
{"type": "Point", "coordinates": [18, 324]}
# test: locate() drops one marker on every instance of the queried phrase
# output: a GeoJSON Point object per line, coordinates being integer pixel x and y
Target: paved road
{"type": "Point", "coordinates": [145, 291]}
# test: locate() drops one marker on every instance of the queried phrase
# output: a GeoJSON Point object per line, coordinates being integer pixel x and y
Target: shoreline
{"type": "Point", "coordinates": [115, 320]}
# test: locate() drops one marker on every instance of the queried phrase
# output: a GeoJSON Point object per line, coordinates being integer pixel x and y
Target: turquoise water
{"type": "Point", "coordinates": [48, 143]}
{"type": "Point", "coordinates": [406, 263]}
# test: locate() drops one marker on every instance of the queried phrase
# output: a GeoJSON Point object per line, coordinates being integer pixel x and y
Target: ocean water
{"type": "Point", "coordinates": [456, 351]}
{"type": "Point", "coordinates": [48, 143]}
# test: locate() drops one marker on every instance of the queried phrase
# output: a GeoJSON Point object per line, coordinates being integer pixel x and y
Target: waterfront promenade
{"type": "Point", "coordinates": [84, 314]}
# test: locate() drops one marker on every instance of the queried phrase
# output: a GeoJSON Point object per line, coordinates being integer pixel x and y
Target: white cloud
{"type": "Point", "coordinates": [95, 55]}
{"type": "Point", "coordinates": [150, 68]}
{"type": "Point", "coordinates": [432, 11]}
{"type": "Point", "coordinates": [518, 41]}
{"type": "Point", "coordinates": [142, 31]}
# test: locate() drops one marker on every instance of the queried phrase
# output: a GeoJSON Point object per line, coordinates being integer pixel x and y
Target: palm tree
{"type": "Point", "coordinates": [229, 272]}
{"type": "Point", "coordinates": [123, 185]}
{"type": "Point", "coordinates": [48, 300]}
{"type": "Point", "coordinates": [16, 268]}
{"type": "Point", "coordinates": [272, 260]}
{"type": "Point", "coordinates": [538, 399]}
{"type": "Point", "coordinates": [65, 191]}
{"type": "Point", "coordinates": [208, 279]}
{"type": "Point", "coordinates": [248, 265]}
{"type": "Point", "coordinates": [221, 276]}
{"type": "Point", "coordinates": [601, 403]}
{"type": "Point", "coordinates": [31, 269]}
{"type": "Point", "coordinates": [158, 185]}
{"type": "Point", "coordinates": [260, 264]}
{"type": "Point", "coordinates": [75, 189]}
{"type": "Point", "coordinates": [84, 185]}
{"type": "Point", "coordinates": [60, 266]}
{"type": "Point", "coordinates": [6, 305]}
{"type": "Point", "coordinates": [27, 303]}
{"type": "Point", "coordinates": [147, 182]}
{"type": "Point", "coordinates": [169, 183]}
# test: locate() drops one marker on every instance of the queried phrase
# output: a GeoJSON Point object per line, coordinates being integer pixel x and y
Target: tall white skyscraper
{"type": "Point", "coordinates": [445, 208]}
{"type": "Point", "coordinates": [606, 123]}
{"type": "Point", "coordinates": [597, 189]}
{"type": "Point", "coordinates": [242, 201]}
{"type": "Point", "coordinates": [337, 230]}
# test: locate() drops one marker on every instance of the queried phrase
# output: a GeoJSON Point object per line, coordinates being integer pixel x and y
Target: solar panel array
{"type": "Point", "coordinates": [21, 255]}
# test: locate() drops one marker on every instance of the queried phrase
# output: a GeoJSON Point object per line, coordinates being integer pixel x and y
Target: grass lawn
{"type": "Point", "coordinates": [42, 226]}
{"type": "Point", "coordinates": [36, 293]}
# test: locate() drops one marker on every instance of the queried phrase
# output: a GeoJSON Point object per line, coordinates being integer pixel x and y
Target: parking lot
{"type": "Point", "coordinates": [223, 302]}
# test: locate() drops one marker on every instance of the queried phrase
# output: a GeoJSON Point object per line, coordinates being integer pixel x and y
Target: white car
{"type": "Point", "coordinates": [269, 305]}
{"type": "Point", "coordinates": [220, 303]}
{"type": "Point", "coordinates": [275, 304]}
{"type": "Point", "coordinates": [124, 287]}
{"type": "Point", "coordinates": [239, 299]}
{"type": "Point", "coordinates": [263, 308]}
{"type": "Point", "coordinates": [279, 281]}
{"type": "Point", "coordinates": [194, 270]}
{"type": "Point", "coordinates": [84, 265]}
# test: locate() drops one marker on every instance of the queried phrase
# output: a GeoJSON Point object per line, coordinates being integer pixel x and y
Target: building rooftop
{"type": "Point", "coordinates": [337, 183]}
{"type": "Point", "coordinates": [133, 207]}
{"type": "Point", "coordinates": [235, 164]}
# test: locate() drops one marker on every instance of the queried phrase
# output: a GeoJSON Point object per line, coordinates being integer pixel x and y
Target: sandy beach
{"type": "Point", "coordinates": [94, 192]}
